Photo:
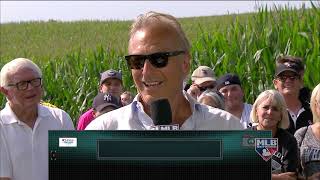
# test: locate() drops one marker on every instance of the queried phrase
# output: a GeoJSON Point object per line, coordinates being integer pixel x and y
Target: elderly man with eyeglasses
{"type": "Point", "coordinates": [24, 122]}
{"type": "Point", "coordinates": [159, 59]}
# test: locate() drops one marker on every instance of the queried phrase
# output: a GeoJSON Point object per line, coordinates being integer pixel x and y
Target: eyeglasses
{"type": "Point", "coordinates": [291, 78]}
{"type": "Point", "coordinates": [23, 85]}
{"type": "Point", "coordinates": [158, 60]}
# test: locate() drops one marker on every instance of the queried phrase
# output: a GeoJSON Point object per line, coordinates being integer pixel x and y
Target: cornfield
{"type": "Point", "coordinates": [73, 54]}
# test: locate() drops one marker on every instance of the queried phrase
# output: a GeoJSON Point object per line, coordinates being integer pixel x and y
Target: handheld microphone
{"type": "Point", "coordinates": [161, 115]}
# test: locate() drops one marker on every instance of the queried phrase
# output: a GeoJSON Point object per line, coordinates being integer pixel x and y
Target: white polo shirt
{"type": "Point", "coordinates": [24, 151]}
{"type": "Point", "coordinates": [133, 117]}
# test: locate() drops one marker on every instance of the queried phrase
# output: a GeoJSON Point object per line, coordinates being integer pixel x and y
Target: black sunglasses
{"type": "Point", "coordinates": [158, 60]}
{"type": "Point", "coordinates": [284, 78]}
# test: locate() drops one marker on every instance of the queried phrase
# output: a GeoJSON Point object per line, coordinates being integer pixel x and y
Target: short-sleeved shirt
{"type": "Point", "coordinates": [133, 117]}
{"type": "Point", "coordinates": [23, 150]}
{"type": "Point", "coordinates": [309, 150]}
{"type": "Point", "coordinates": [85, 119]}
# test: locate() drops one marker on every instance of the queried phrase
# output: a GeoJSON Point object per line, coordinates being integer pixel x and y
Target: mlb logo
{"type": "Point", "coordinates": [266, 147]}
{"type": "Point", "coordinates": [173, 127]}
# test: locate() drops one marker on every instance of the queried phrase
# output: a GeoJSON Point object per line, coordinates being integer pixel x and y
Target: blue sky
{"type": "Point", "coordinates": [16, 11]}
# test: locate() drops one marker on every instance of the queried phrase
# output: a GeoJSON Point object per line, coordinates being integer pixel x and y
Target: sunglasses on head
{"type": "Point", "coordinates": [158, 60]}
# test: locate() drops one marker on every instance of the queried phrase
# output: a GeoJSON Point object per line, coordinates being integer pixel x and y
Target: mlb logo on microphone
{"type": "Point", "coordinates": [266, 147]}
{"type": "Point", "coordinates": [173, 127]}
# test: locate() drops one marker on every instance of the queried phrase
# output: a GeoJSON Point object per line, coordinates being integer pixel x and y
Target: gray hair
{"type": "Point", "coordinates": [218, 99]}
{"type": "Point", "coordinates": [144, 20]}
{"type": "Point", "coordinates": [14, 66]}
{"type": "Point", "coordinates": [278, 100]}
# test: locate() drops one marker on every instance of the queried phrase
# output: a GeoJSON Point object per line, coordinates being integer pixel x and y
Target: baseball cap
{"type": "Point", "coordinates": [103, 100]}
{"type": "Point", "coordinates": [296, 61]}
{"type": "Point", "coordinates": [286, 67]}
{"type": "Point", "coordinates": [228, 79]}
{"type": "Point", "coordinates": [110, 74]}
{"type": "Point", "coordinates": [203, 74]}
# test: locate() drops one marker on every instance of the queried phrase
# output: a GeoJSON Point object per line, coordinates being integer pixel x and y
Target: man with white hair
{"type": "Point", "coordinates": [24, 122]}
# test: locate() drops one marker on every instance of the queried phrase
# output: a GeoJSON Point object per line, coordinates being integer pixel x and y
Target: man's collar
{"type": "Point", "coordinates": [7, 115]}
{"type": "Point", "coordinates": [194, 104]}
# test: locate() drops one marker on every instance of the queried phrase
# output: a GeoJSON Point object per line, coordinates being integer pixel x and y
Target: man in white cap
{"type": "Point", "coordinates": [203, 78]}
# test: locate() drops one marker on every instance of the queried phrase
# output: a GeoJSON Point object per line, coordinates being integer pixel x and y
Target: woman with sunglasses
{"type": "Point", "coordinates": [288, 81]}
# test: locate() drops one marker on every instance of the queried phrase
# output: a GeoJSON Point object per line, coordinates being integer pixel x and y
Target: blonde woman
{"type": "Point", "coordinates": [308, 139]}
{"type": "Point", "coordinates": [270, 113]}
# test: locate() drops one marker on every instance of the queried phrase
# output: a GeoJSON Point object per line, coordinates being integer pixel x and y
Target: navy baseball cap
{"type": "Point", "coordinates": [103, 100]}
{"type": "Point", "coordinates": [228, 79]}
{"type": "Point", "coordinates": [110, 74]}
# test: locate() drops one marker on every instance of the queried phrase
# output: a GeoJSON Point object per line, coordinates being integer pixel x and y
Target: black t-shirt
{"type": "Point", "coordinates": [286, 159]}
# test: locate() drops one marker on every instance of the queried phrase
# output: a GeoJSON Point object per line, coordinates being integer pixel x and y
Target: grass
{"type": "Point", "coordinates": [72, 54]}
